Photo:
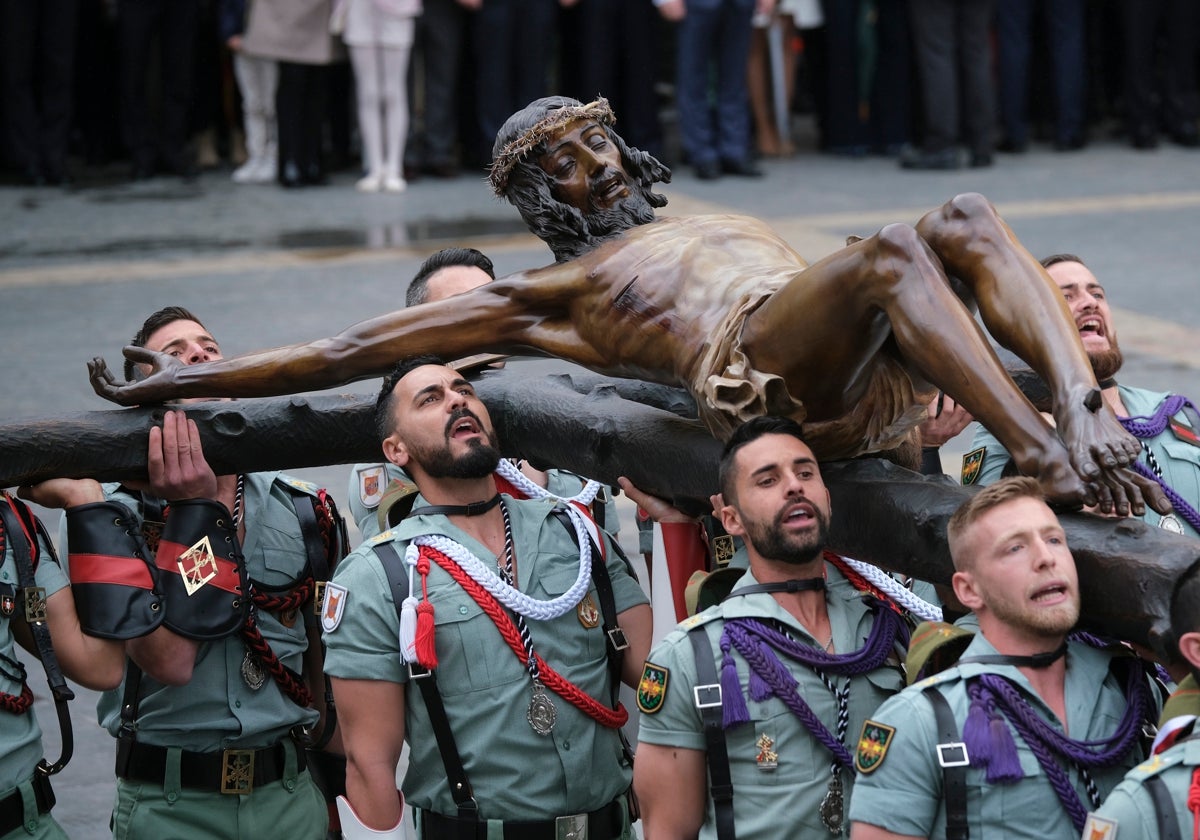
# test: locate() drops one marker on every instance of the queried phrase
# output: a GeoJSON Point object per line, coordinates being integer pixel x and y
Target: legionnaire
{"type": "Point", "coordinates": [219, 703]}
{"type": "Point", "coordinates": [710, 303]}
{"type": "Point", "coordinates": [376, 488]}
{"type": "Point", "coordinates": [37, 611]}
{"type": "Point", "coordinates": [1167, 425]}
{"type": "Point", "coordinates": [805, 648]}
{"type": "Point", "coordinates": [1160, 798]}
{"type": "Point", "coordinates": [515, 621]}
{"type": "Point", "coordinates": [1028, 730]}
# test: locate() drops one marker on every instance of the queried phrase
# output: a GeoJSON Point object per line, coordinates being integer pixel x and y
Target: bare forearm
{"type": "Point", "coordinates": [371, 789]}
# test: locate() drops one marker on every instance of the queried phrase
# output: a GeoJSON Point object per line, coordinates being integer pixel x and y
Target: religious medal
{"type": "Point", "coordinates": [767, 758]}
{"type": "Point", "coordinates": [541, 714]}
{"type": "Point", "coordinates": [252, 672]}
{"type": "Point", "coordinates": [1171, 523]}
{"type": "Point", "coordinates": [588, 613]}
{"type": "Point", "coordinates": [831, 806]}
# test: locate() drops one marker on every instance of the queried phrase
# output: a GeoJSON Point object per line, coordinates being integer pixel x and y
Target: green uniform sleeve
{"type": "Point", "coordinates": [1130, 807]}
{"type": "Point", "coordinates": [365, 644]}
{"type": "Point", "coordinates": [994, 459]}
{"type": "Point", "coordinates": [669, 715]}
{"type": "Point", "coordinates": [902, 793]}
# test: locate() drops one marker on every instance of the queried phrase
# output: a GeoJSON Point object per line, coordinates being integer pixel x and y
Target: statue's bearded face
{"type": "Point", "coordinates": [585, 168]}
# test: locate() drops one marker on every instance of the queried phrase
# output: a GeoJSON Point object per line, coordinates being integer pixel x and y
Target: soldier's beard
{"type": "Point", "coordinates": [1106, 363]}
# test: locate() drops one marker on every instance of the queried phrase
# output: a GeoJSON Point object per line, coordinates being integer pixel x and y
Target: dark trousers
{"type": "Point", "coordinates": [37, 40]}
{"type": "Point", "coordinates": [513, 40]}
{"type": "Point", "coordinates": [614, 46]}
{"type": "Point", "coordinates": [438, 45]}
{"type": "Point", "coordinates": [175, 23]}
{"type": "Point", "coordinates": [1066, 35]}
{"type": "Point", "coordinates": [715, 34]}
{"type": "Point", "coordinates": [1141, 21]}
{"type": "Point", "coordinates": [300, 111]}
{"type": "Point", "coordinates": [953, 58]}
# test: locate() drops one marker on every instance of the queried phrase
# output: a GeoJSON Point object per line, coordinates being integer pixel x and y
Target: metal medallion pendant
{"type": "Point", "coordinates": [1171, 523]}
{"type": "Point", "coordinates": [541, 714]}
{"type": "Point", "coordinates": [252, 672]}
{"type": "Point", "coordinates": [831, 807]}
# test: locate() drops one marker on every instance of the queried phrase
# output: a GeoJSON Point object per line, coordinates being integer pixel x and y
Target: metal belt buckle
{"type": "Point", "coordinates": [35, 604]}
{"type": "Point", "coordinates": [237, 771]}
{"type": "Point", "coordinates": [616, 637]}
{"type": "Point", "coordinates": [707, 696]}
{"type": "Point", "coordinates": [417, 671]}
{"type": "Point", "coordinates": [574, 827]}
{"type": "Point", "coordinates": [953, 754]}
{"type": "Point", "coordinates": [319, 597]}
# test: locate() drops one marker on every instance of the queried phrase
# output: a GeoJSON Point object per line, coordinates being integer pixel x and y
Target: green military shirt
{"type": "Point", "coordinates": [902, 792]}
{"type": "Point", "coordinates": [783, 800]}
{"type": "Point", "coordinates": [516, 773]}
{"type": "Point", "coordinates": [1175, 454]}
{"type": "Point", "coordinates": [217, 709]}
{"type": "Point", "coordinates": [20, 736]}
{"type": "Point", "coordinates": [1129, 812]}
{"type": "Point", "coordinates": [368, 482]}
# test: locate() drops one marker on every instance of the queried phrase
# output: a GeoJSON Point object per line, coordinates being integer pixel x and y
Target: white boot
{"type": "Point", "coordinates": [268, 164]}
{"type": "Point", "coordinates": [256, 140]}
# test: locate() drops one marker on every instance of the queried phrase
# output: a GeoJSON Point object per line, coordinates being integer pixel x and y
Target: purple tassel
{"type": "Point", "coordinates": [731, 693]}
{"type": "Point", "coordinates": [1004, 766]}
{"type": "Point", "coordinates": [975, 734]}
{"type": "Point", "coordinates": [759, 690]}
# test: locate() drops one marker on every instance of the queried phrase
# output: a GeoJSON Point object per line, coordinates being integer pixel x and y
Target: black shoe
{"type": "Point", "coordinates": [289, 175]}
{"type": "Point", "coordinates": [981, 159]}
{"type": "Point", "coordinates": [1012, 147]}
{"type": "Point", "coordinates": [1070, 143]}
{"type": "Point", "coordinates": [944, 159]}
{"type": "Point", "coordinates": [709, 171]}
{"type": "Point", "coordinates": [314, 176]}
{"type": "Point", "coordinates": [743, 168]}
{"type": "Point", "coordinates": [1186, 135]}
{"type": "Point", "coordinates": [1143, 137]}
{"type": "Point", "coordinates": [142, 170]}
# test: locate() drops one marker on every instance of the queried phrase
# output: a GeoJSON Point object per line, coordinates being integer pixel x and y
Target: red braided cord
{"type": "Point", "coordinates": [861, 583]}
{"type": "Point", "coordinates": [17, 705]}
{"type": "Point", "coordinates": [1193, 803]}
{"type": "Point", "coordinates": [612, 718]}
{"type": "Point", "coordinates": [325, 522]}
{"type": "Point", "coordinates": [277, 603]}
{"type": "Point", "coordinates": [287, 682]}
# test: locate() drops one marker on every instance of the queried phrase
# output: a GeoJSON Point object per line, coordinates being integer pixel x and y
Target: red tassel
{"type": "Point", "coordinates": [425, 647]}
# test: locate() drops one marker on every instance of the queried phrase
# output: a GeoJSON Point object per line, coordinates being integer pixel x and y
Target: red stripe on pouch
{"type": "Point", "coordinates": [105, 568]}
{"type": "Point", "coordinates": [227, 572]}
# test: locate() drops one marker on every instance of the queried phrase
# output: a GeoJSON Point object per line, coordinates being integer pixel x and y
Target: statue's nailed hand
{"type": "Point", "coordinates": [154, 388]}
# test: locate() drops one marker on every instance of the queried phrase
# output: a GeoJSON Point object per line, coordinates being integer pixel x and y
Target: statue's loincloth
{"type": "Point", "coordinates": [730, 391]}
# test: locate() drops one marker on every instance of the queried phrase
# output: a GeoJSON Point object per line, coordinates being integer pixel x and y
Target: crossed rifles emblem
{"type": "Point", "coordinates": [197, 566]}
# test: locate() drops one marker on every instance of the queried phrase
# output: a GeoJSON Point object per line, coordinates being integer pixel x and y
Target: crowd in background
{"type": "Point", "coordinates": [288, 91]}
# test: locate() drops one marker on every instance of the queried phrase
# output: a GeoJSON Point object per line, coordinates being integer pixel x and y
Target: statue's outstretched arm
{"type": "Point", "coordinates": [483, 319]}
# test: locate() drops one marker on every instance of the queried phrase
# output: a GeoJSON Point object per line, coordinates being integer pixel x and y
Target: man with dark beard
{"type": "Point", "coordinates": [515, 731]}
{"type": "Point", "coordinates": [1167, 425]}
{"type": "Point", "coordinates": [1028, 729]}
{"type": "Point", "coordinates": [764, 746]}
{"type": "Point", "coordinates": [712, 303]}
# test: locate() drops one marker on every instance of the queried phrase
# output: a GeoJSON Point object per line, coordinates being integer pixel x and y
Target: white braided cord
{"type": "Point", "coordinates": [895, 590]}
{"type": "Point", "coordinates": [508, 470]}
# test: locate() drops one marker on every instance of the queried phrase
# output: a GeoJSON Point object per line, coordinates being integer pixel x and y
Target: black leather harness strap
{"type": "Point", "coordinates": [707, 696]}
{"type": "Point", "coordinates": [19, 523]}
{"type": "Point", "coordinates": [1164, 808]}
{"type": "Point", "coordinates": [953, 759]}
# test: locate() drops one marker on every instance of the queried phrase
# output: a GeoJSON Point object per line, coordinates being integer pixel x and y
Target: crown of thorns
{"type": "Point", "coordinates": [516, 150]}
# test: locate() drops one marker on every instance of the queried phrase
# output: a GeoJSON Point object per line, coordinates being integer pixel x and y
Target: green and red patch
{"type": "Point", "coordinates": [973, 465]}
{"type": "Point", "coordinates": [652, 688]}
{"type": "Point", "coordinates": [873, 745]}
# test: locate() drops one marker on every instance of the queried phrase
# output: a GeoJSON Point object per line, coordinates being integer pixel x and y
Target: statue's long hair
{"type": "Point", "coordinates": [566, 230]}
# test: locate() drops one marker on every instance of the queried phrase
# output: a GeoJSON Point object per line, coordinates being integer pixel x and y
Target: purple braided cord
{"type": "Point", "coordinates": [1147, 427]}
{"type": "Point", "coordinates": [1045, 741]}
{"type": "Point", "coordinates": [754, 641]}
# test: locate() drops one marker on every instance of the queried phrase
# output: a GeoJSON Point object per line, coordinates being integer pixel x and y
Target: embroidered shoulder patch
{"type": "Point", "coordinates": [873, 746]}
{"type": "Point", "coordinates": [973, 465]}
{"type": "Point", "coordinates": [652, 689]}
{"type": "Point", "coordinates": [370, 486]}
{"type": "Point", "coordinates": [333, 606]}
{"type": "Point", "coordinates": [1098, 828]}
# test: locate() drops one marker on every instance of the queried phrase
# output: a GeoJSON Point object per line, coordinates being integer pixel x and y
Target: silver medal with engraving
{"type": "Point", "coordinates": [253, 673]}
{"type": "Point", "coordinates": [541, 714]}
{"type": "Point", "coordinates": [1171, 523]}
{"type": "Point", "coordinates": [831, 807]}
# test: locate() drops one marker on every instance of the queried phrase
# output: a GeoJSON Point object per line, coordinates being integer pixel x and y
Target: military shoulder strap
{"type": "Point", "coordinates": [23, 531]}
{"type": "Point", "coordinates": [426, 680]}
{"type": "Point", "coordinates": [952, 758]}
{"type": "Point", "coordinates": [707, 697]}
{"type": "Point", "coordinates": [1164, 808]}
